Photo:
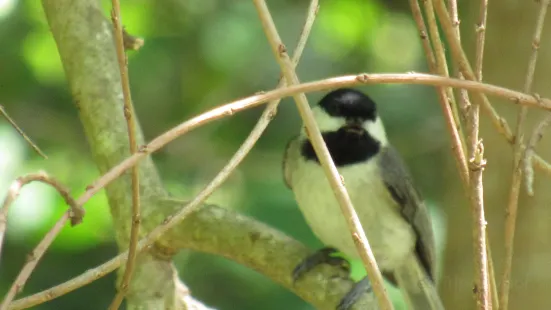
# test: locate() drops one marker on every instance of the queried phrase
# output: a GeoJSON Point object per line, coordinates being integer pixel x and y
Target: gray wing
{"type": "Point", "coordinates": [292, 153]}
{"type": "Point", "coordinates": [400, 184]}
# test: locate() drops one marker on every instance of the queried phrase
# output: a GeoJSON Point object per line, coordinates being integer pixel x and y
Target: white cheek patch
{"type": "Point", "coordinates": [330, 123]}
{"type": "Point", "coordinates": [377, 130]}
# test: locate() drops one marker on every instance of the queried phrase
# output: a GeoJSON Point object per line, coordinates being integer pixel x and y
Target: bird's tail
{"type": "Point", "coordinates": [418, 289]}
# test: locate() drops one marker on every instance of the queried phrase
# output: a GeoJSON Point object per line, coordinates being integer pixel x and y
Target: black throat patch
{"type": "Point", "coordinates": [346, 148]}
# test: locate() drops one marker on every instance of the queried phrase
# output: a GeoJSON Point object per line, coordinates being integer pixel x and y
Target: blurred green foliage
{"type": "Point", "coordinates": [197, 54]}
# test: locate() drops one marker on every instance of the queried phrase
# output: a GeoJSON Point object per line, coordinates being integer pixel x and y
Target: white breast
{"type": "Point", "coordinates": [391, 238]}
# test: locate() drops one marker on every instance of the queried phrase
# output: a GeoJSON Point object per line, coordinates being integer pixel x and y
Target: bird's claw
{"type": "Point", "coordinates": [356, 292]}
{"type": "Point", "coordinates": [322, 256]}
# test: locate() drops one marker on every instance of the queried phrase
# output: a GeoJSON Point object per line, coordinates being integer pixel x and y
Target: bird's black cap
{"type": "Point", "coordinates": [349, 103]}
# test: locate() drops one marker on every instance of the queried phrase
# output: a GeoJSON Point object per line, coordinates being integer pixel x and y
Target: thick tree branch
{"type": "Point", "coordinates": [85, 41]}
{"type": "Point", "coordinates": [223, 232]}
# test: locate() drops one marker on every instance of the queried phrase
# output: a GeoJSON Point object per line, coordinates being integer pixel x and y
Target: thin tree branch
{"type": "Point", "coordinates": [423, 34]}
{"type": "Point", "coordinates": [457, 145]}
{"type": "Point", "coordinates": [320, 85]}
{"type": "Point", "coordinates": [475, 153]}
{"type": "Point", "coordinates": [329, 83]}
{"type": "Point", "coordinates": [76, 214]}
{"type": "Point", "coordinates": [450, 108]}
{"type": "Point", "coordinates": [335, 180]}
{"type": "Point", "coordinates": [464, 101]}
{"type": "Point", "coordinates": [477, 161]}
{"type": "Point", "coordinates": [476, 157]}
{"type": "Point", "coordinates": [21, 132]}
{"type": "Point", "coordinates": [479, 54]}
{"type": "Point", "coordinates": [465, 68]}
{"type": "Point", "coordinates": [512, 206]}
{"type": "Point", "coordinates": [131, 127]}
{"type": "Point", "coordinates": [480, 38]}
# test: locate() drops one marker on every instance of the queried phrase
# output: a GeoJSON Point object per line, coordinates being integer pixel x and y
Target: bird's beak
{"type": "Point", "coordinates": [354, 126]}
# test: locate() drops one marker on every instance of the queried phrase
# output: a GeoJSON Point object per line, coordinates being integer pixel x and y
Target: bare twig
{"type": "Point", "coordinates": [477, 161]}
{"type": "Point", "coordinates": [75, 213]}
{"type": "Point", "coordinates": [480, 38]}
{"type": "Point", "coordinates": [480, 41]}
{"type": "Point", "coordinates": [457, 145]}
{"type": "Point", "coordinates": [131, 126]}
{"type": "Point", "coordinates": [255, 100]}
{"type": "Point", "coordinates": [512, 205]}
{"type": "Point", "coordinates": [21, 132]}
{"type": "Point", "coordinates": [423, 34]}
{"type": "Point", "coordinates": [465, 68]}
{"type": "Point", "coordinates": [464, 101]}
{"type": "Point", "coordinates": [356, 230]}
{"type": "Point", "coordinates": [442, 69]}
{"type": "Point", "coordinates": [329, 83]}
{"type": "Point", "coordinates": [475, 151]}
{"type": "Point", "coordinates": [476, 157]}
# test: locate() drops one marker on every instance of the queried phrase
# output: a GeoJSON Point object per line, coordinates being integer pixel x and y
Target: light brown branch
{"type": "Point", "coordinates": [519, 153]}
{"type": "Point", "coordinates": [475, 156]}
{"type": "Point", "coordinates": [464, 101]}
{"type": "Point", "coordinates": [75, 213]}
{"type": "Point", "coordinates": [329, 83]}
{"type": "Point", "coordinates": [479, 55]}
{"type": "Point", "coordinates": [457, 145]}
{"type": "Point", "coordinates": [21, 132]}
{"type": "Point", "coordinates": [450, 108]}
{"type": "Point", "coordinates": [335, 180]}
{"type": "Point", "coordinates": [477, 162]}
{"type": "Point", "coordinates": [465, 68]}
{"type": "Point", "coordinates": [480, 38]}
{"type": "Point", "coordinates": [131, 126]}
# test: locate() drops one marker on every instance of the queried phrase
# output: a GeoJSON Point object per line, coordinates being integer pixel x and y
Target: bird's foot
{"type": "Point", "coordinates": [322, 256]}
{"type": "Point", "coordinates": [356, 292]}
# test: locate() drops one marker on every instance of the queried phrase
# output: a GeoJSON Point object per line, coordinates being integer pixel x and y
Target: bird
{"type": "Point", "coordinates": [381, 188]}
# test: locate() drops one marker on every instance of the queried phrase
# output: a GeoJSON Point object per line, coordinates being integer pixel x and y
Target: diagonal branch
{"type": "Point", "coordinates": [21, 132]}
{"type": "Point", "coordinates": [335, 180]}
{"type": "Point", "coordinates": [444, 97]}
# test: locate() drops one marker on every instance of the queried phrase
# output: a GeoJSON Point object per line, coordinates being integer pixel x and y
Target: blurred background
{"type": "Point", "coordinates": [201, 53]}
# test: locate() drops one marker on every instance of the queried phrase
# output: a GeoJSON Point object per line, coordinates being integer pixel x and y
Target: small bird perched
{"type": "Point", "coordinates": [390, 209]}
